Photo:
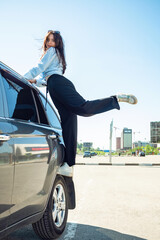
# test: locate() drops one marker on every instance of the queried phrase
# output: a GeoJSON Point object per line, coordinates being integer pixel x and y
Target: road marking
{"type": "Point", "coordinates": [71, 231]}
{"type": "Point", "coordinates": [72, 226]}
{"type": "Point", "coordinates": [120, 164]}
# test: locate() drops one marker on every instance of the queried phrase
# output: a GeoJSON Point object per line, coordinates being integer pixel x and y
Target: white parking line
{"type": "Point", "coordinates": [71, 231]}
{"type": "Point", "coordinates": [72, 226]}
{"type": "Point", "coordinates": [120, 164]}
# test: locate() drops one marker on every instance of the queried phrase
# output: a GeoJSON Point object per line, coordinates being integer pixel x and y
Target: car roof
{"type": "Point", "coordinates": [12, 75]}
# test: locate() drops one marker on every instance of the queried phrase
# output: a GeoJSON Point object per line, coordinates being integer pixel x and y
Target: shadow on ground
{"type": "Point", "coordinates": [87, 232]}
{"type": "Point", "coordinates": [80, 231]}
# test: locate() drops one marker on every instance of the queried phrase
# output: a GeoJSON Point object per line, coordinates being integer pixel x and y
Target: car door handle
{"type": "Point", "coordinates": [4, 137]}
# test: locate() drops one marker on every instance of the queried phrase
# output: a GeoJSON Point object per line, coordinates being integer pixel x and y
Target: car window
{"type": "Point", "coordinates": [20, 102]}
{"type": "Point", "coordinates": [41, 112]}
{"type": "Point", "coordinates": [1, 100]}
{"type": "Point", "coordinates": [52, 117]}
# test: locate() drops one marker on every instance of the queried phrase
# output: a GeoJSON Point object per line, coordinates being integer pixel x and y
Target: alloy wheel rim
{"type": "Point", "coordinates": [59, 205]}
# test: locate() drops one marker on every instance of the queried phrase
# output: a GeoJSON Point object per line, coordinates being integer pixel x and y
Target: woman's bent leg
{"type": "Point", "coordinates": [70, 138]}
{"type": "Point", "coordinates": [69, 130]}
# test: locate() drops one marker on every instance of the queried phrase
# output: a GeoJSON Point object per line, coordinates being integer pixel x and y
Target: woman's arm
{"type": "Point", "coordinates": [41, 82]}
{"type": "Point", "coordinates": [32, 81]}
{"type": "Point", "coordinates": [42, 65]}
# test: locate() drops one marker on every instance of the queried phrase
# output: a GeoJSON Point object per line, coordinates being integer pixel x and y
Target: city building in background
{"type": "Point", "coordinates": [118, 143]}
{"type": "Point", "coordinates": [87, 145]}
{"type": "Point", "coordinates": [126, 139]}
{"type": "Point", "coordinates": [143, 144]}
{"type": "Point", "coordinates": [155, 132]}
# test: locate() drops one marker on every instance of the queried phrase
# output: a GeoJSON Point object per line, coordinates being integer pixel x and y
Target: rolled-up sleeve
{"type": "Point", "coordinates": [42, 65]}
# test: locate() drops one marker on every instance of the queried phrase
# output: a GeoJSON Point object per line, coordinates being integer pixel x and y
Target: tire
{"type": "Point", "coordinates": [54, 219]}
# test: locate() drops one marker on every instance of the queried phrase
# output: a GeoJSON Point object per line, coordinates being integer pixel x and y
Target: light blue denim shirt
{"type": "Point", "coordinates": [48, 65]}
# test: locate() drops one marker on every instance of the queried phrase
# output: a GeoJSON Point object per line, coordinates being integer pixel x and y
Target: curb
{"type": "Point", "coordinates": [120, 164]}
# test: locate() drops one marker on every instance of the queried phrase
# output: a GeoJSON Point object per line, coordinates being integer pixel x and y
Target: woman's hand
{"type": "Point", "coordinates": [32, 80]}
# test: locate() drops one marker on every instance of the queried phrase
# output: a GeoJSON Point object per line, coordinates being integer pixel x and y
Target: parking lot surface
{"type": "Point", "coordinates": [119, 203]}
{"type": "Point", "coordinates": [148, 159]}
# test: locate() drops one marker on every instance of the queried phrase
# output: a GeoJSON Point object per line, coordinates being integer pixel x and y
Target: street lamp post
{"type": "Point", "coordinates": [110, 138]}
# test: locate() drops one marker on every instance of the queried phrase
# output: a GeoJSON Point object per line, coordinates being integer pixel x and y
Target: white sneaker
{"type": "Point", "coordinates": [128, 98]}
{"type": "Point", "coordinates": [66, 170]}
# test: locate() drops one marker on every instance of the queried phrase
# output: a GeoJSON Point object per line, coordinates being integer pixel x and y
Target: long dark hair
{"type": "Point", "coordinates": [59, 47]}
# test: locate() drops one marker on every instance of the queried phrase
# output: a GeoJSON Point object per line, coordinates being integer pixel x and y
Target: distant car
{"type": "Point", "coordinates": [31, 152]}
{"type": "Point", "coordinates": [87, 154]}
{"type": "Point", "coordinates": [133, 153]}
{"type": "Point", "coordinates": [93, 154]}
{"type": "Point", "coordinates": [141, 154]}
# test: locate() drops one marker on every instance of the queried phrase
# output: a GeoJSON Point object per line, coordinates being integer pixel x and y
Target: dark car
{"type": "Point", "coordinates": [31, 152]}
{"type": "Point", "coordinates": [93, 154]}
{"type": "Point", "coordinates": [141, 154]}
{"type": "Point", "coordinates": [87, 154]}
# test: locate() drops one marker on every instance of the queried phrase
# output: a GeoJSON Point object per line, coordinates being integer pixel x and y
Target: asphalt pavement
{"type": "Point", "coordinates": [113, 203]}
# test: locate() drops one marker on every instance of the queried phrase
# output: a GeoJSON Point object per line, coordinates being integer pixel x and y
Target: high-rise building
{"type": "Point", "coordinates": [155, 132]}
{"type": "Point", "coordinates": [118, 143]}
{"type": "Point", "coordinates": [126, 139]}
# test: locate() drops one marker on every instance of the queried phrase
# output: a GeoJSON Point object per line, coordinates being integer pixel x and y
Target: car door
{"type": "Point", "coordinates": [32, 151]}
{"type": "Point", "coordinates": [6, 165]}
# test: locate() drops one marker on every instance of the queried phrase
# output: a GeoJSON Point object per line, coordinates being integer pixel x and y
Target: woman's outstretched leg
{"type": "Point", "coordinates": [64, 91]}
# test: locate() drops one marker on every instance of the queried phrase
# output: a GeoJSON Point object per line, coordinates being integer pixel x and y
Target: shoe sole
{"type": "Point", "coordinates": [134, 98]}
{"type": "Point", "coordinates": [128, 98]}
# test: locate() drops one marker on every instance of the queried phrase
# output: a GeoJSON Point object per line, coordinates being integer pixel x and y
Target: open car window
{"type": "Point", "coordinates": [24, 103]}
{"type": "Point", "coordinates": [20, 102]}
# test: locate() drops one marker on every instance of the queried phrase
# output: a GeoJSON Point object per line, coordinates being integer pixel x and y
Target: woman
{"type": "Point", "coordinates": [67, 100]}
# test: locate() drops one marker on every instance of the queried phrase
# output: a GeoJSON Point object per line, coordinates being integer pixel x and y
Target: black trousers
{"type": "Point", "coordinates": [69, 104]}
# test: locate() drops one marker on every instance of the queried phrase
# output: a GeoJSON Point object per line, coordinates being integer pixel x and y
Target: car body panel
{"type": "Point", "coordinates": [31, 153]}
{"type": "Point", "coordinates": [6, 173]}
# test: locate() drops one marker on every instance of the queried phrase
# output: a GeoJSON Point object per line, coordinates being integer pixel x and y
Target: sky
{"type": "Point", "coordinates": [111, 46]}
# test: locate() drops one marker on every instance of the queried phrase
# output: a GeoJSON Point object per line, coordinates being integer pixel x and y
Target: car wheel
{"type": "Point", "coordinates": [54, 219]}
